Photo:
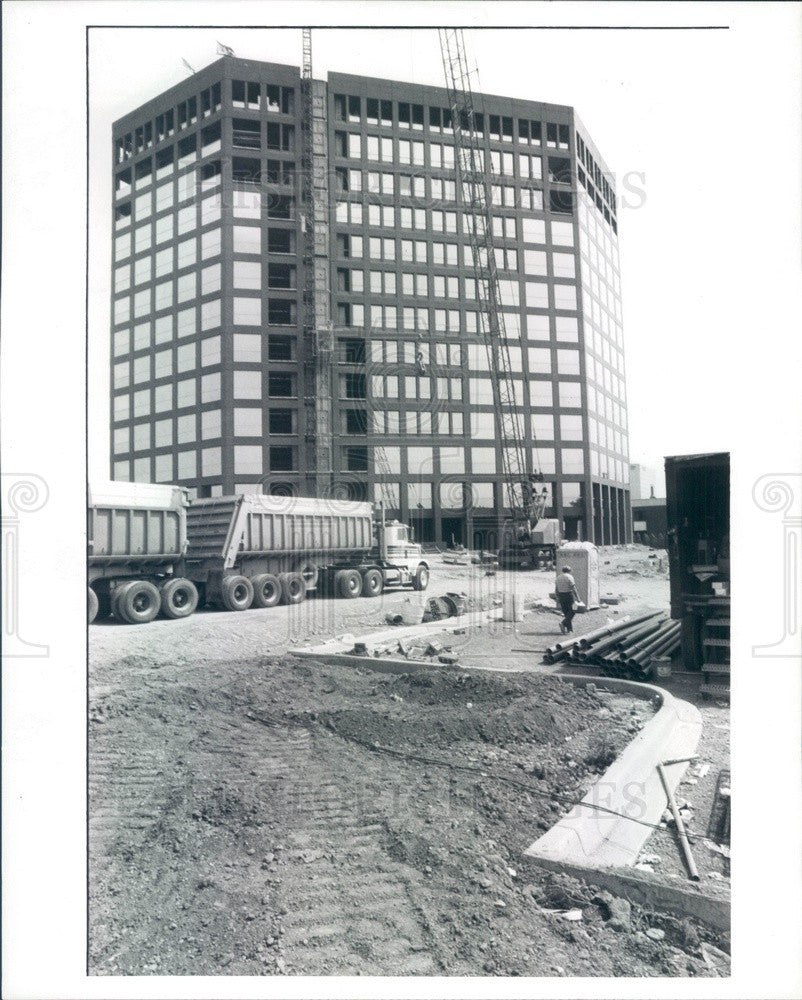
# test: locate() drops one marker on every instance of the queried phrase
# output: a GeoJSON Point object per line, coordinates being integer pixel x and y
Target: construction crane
{"type": "Point", "coordinates": [526, 498]}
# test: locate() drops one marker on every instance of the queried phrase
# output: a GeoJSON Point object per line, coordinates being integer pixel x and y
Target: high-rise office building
{"type": "Point", "coordinates": [223, 383]}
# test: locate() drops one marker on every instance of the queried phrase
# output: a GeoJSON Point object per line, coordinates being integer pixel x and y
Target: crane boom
{"type": "Point", "coordinates": [525, 501]}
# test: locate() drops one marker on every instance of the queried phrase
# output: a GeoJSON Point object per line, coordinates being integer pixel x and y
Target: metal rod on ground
{"type": "Point", "coordinates": [683, 836]}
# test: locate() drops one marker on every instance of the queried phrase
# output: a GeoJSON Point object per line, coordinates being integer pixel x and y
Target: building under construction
{"type": "Point", "coordinates": [297, 310]}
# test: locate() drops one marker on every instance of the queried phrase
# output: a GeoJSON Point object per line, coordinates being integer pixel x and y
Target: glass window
{"type": "Point", "coordinates": [186, 322]}
{"type": "Point", "coordinates": [162, 398]}
{"type": "Point", "coordinates": [122, 342]}
{"type": "Point", "coordinates": [187, 253]}
{"type": "Point", "coordinates": [164, 228]}
{"type": "Point", "coordinates": [187, 465]}
{"type": "Point", "coordinates": [247, 385]}
{"type": "Point", "coordinates": [185, 393]}
{"type": "Point", "coordinates": [142, 403]}
{"type": "Point", "coordinates": [185, 358]}
{"type": "Point", "coordinates": [210, 352]}
{"type": "Point", "coordinates": [541, 393]}
{"type": "Point", "coordinates": [573, 460]}
{"type": "Point", "coordinates": [210, 388]}
{"type": "Point", "coordinates": [247, 274]}
{"type": "Point", "coordinates": [187, 219]}
{"type": "Point", "coordinates": [210, 279]}
{"type": "Point", "coordinates": [142, 238]}
{"type": "Point", "coordinates": [186, 287]}
{"type": "Point", "coordinates": [142, 303]}
{"type": "Point", "coordinates": [567, 328]}
{"type": "Point", "coordinates": [211, 424]}
{"type": "Point", "coordinates": [141, 437]}
{"type": "Point", "coordinates": [248, 421]}
{"type": "Point", "coordinates": [247, 311]}
{"type": "Point", "coordinates": [210, 243]}
{"type": "Point", "coordinates": [210, 314]}
{"type": "Point", "coordinates": [164, 262]}
{"type": "Point", "coordinates": [564, 265]}
{"type": "Point", "coordinates": [570, 394]}
{"type": "Point", "coordinates": [565, 297]}
{"type": "Point", "coordinates": [164, 468]}
{"type": "Point", "coordinates": [248, 459]}
{"type": "Point", "coordinates": [247, 239]}
{"type": "Point", "coordinates": [122, 246]}
{"type": "Point", "coordinates": [562, 234]}
{"type": "Point", "coordinates": [570, 428]}
{"type": "Point", "coordinates": [568, 362]}
{"type": "Point", "coordinates": [164, 295]}
{"type": "Point", "coordinates": [185, 429]}
{"type": "Point", "coordinates": [537, 294]}
{"type": "Point", "coordinates": [248, 347]}
{"type": "Point", "coordinates": [534, 230]}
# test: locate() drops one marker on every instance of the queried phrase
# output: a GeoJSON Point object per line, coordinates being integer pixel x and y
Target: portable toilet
{"type": "Point", "coordinates": [583, 558]}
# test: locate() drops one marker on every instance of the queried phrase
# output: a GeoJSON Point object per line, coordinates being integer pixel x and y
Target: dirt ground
{"type": "Point", "coordinates": [252, 814]}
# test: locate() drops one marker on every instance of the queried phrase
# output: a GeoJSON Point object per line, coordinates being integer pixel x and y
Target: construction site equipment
{"type": "Point", "coordinates": [259, 550]}
{"type": "Point", "coordinates": [583, 558]}
{"type": "Point", "coordinates": [137, 542]}
{"type": "Point", "coordinates": [526, 499]}
{"type": "Point", "coordinates": [317, 329]}
{"type": "Point", "coordinates": [697, 509]}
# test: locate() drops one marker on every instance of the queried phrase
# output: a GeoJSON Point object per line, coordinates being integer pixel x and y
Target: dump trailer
{"type": "Point", "coordinates": [698, 537]}
{"type": "Point", "coordinates": [137, 545]}
{"type": "Point", "coordinates": [257, 550]}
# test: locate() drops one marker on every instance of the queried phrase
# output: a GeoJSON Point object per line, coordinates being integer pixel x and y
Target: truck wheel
{"type": "Point", "coordinates": [266, 590]}
{"type": "Point", "coordinates": [93, 605]}
{"type": "Point", "coordinates": [420, 581]}
{"type": "Point", "coordinates": [348, 583]}
{"type": "Point", "coordinates": [179, 598]}
{"type": "Point", "coordinates": [138, 602]}
{"type": "Point", "coordinates": [236, 593]}
{"type": "Point", "coordinates": [372, 583]}
{"type": "Point", "coordinates": [308, 570]}
{"type": "Point", "coordinates": [293, 588]}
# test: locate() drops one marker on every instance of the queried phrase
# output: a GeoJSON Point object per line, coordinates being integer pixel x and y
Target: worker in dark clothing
{"type": "Point", "coordinates": [566, 595]}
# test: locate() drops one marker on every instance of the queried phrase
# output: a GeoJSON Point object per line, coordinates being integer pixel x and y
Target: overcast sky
{"type": "Point", "coordinates": [677, 116]}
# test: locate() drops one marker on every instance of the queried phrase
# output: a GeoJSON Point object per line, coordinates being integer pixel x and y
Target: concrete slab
{"type": "Point", "coordinates": [630, 793]}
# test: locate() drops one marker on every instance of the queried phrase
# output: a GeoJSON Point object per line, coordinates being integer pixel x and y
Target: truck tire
{"type": "Point", "coordinates": [92, 606]}
{"type": "Point", "coordinates": [179, 598]}
{"type": "Point", "coordinates": [103, 594]}
{"type": "Point", "coordinates": [266, 590]}
{"type": "Point", "coordinates": [348, 583]}
{"type": "Point", "coordinates": [372, 583]}
{"type": "Point", "coordinates": [308, 570]}
{"type": "Point", "coordinates": [420, 581]}
{"type": "Point", "coordinates": [293, 588]}
{"type": "Point", "coordinates": [236, 593]}
{"type": "Point", "coordinates": [138, 602]}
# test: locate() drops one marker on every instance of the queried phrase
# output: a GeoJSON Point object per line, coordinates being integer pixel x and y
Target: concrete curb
{"type": "Point", "coordinates": [631, 786]}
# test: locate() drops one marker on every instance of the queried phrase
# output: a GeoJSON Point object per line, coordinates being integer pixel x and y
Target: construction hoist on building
{"type": "Point", "coordinates": [527, 498]}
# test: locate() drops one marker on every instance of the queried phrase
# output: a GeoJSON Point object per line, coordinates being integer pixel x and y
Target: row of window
{"type": "Point", "coordinates": [206, 425]}
{"type": "Point", "coordinates": [405, 114]}
{"type": "Point", "coordinates": [439, 222]}
{"type": "Point", "coordinates": [243, 94]}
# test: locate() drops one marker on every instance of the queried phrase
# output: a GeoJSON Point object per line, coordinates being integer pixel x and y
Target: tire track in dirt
{"type": "Point", "coordinates": [365, 922]}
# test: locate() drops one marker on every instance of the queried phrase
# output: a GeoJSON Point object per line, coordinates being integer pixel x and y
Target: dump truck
{"type": "Point", "coordinates": [137, 546]}
{"type": "Point", "coordinates": [257, 550]}
{"type": "Point", "coordinates": [698, 537]}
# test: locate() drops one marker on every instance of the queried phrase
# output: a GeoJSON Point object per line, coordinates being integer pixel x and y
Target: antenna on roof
{"type": "Point", "coordinates": [224, 50]}
{"type": "Point", "coordinates": [188, 66]}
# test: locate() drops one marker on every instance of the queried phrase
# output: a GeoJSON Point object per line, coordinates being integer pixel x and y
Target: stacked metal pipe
{"type": "Point", "coordinates": [626, 648]}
